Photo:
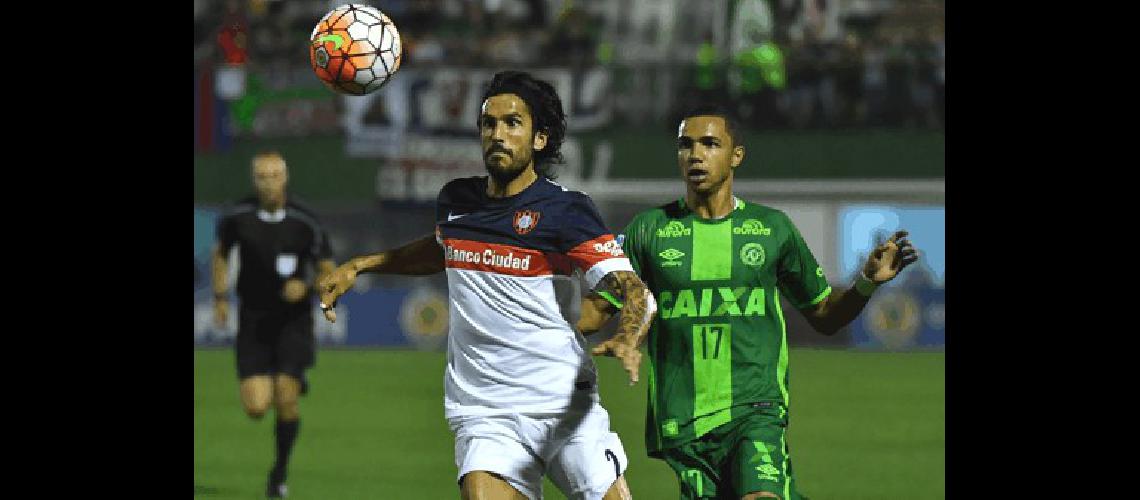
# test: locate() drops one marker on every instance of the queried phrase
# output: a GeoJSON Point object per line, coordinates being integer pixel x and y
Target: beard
{"type": "Point", "coordinates": [504, 174]}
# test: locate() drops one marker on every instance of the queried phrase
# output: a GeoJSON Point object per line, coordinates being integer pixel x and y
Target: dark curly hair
{"type": "Point", "coordinates": [545, 111]}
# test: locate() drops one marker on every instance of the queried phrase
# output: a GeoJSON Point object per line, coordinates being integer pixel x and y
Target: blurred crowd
{"type": "Point", "coordinates": [896, 80]}
{"type": "Point", "coordinates": [868, 63]}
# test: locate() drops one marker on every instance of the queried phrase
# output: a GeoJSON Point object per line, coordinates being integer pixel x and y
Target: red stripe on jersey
{"type": "Point", "coordinates": [495, 258]}
{"type": "Point", "coordinates": [588, 253]}
{"type": "Point", "coordinates": [561, 263]}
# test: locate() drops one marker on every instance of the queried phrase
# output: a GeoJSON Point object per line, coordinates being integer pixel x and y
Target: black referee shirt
{"type": "Point", "coordinates": [273, 247]}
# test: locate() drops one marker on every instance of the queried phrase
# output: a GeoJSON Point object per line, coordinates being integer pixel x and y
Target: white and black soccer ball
{"type": "Point", "coordinates": [355, 49]}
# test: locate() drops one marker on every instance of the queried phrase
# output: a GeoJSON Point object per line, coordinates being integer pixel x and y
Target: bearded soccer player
{"type": "Point", "coordinates": [278, 241]}
{"type": "Point", "coordinates": [520, 389]}
{"type": "Point", "coordinates": [718, 383]}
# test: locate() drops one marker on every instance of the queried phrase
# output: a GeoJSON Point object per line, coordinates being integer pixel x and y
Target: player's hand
{"type": "Point", "coordinates": [333, 285]}
{"type": "Point", "coordinates": [890, 258]}
{"type": "Point", "coordinates": [221, 313]}
{"type": "Point", "coordinates": [293, 291]}
{"type": "Point", "coordinates": [621, 348]}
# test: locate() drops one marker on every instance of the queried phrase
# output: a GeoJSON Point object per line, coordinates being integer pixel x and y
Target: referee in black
{"type": "Point", "coordinates": [278, 242]}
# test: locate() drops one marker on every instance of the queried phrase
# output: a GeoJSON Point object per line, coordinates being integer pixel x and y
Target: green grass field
{"type": "Point", "coordinates": [863, 426]}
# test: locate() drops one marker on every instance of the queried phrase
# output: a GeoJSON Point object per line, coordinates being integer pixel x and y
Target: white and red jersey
{"type": "Point", "coordinates": [509, 349]}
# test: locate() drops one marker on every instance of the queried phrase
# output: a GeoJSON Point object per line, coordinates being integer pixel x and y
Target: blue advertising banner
{"type": "Point", "coordinates": [204, 221]}
{"type": "Point", "coordinates": [413, 316]}
{"type": "Point", "coordinates": [902, 318]}
{"type": "Point", "coordinates": [380, 317]}
{"type": "Point", "coordinates": [910, 311]}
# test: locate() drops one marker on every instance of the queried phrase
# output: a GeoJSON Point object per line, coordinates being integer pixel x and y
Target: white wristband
{"type": "Point", "coordinates": [865, 286]}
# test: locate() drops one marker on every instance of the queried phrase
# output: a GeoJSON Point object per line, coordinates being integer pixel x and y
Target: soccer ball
{"type": "Point", "coordinates": [355, 49]}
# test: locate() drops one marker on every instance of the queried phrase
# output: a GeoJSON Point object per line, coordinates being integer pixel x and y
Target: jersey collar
{"type": "Point", "coordinates": [274, 216]}
{"type": "Point", "coordinates": [739, 203]}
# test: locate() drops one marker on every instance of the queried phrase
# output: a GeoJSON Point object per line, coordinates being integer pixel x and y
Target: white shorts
{"type": "Point", "coordinates": [576, 450]}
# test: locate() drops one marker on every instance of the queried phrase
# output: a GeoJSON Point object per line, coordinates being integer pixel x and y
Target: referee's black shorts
{"type": "Point", "coordinates": [275, 341]}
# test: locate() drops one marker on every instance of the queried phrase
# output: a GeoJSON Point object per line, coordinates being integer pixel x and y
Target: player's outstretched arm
{"type": "Point", "coordinates": [418, 258]}
{"type": "Point", "coordinates": [324, 268]}
{"type": "Point", "coordinates": [884, 263]}
{"type": "Point", "coordinates": [638, 309]}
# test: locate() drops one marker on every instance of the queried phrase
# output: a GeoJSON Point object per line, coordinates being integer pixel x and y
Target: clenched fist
{"type": "Point", "coordinates": [333, 285]}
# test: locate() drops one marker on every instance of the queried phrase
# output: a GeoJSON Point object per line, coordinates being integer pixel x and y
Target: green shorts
{"type": "Point", "coordinates": [748, 454]}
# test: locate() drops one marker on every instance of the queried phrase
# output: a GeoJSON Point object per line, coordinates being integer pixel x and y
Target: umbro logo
{"type": "Point", "coordinates": [671, 255]}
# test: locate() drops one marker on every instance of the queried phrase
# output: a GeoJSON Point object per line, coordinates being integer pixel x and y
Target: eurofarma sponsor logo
{"type": "Point", "coordinates": [752, 227]}
{"type": "Point", "coordinates": [674, 229]}
{"type": "Point", "coordinates": [488, 257]}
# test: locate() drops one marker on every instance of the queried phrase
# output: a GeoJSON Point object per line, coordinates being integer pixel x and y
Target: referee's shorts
{"type": "Point", "coordinates": [275, 341]}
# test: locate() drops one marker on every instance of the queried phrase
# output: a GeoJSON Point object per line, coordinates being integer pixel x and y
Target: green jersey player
{"type": "Point", "coordinates": [717, 267]}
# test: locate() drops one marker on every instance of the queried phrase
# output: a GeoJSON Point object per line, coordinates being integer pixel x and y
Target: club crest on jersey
{"type": "Point", "coordinates": [525, 220]}
{"type": "Point", "coordinates": [752, 254]}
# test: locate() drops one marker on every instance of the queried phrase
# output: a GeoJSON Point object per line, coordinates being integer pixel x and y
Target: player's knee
{"type": "Point", "coordinates": [286, 395]}
{"type": "Point", "coordinates": [757, 495]}
{"type": "Point", "coordinates": [256, 396]}
{"type": "Point", "coordinates": [288, 409]}
{"type": "Point", "coordinates": [256, 410]}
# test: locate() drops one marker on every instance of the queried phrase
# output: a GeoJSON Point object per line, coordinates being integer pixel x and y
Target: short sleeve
{"type": "Point", "coordinates": [441, 200]}
{"type": "Point", "coordinates": [800, 276]}
{"type": "Point", "coordinates": [226, 233]}
{"type": "Point", "coordinates": [320, 248]}
{"type": "Point", "coordinates": [586, 241]}
{"type": "Point", "coordinates": [631, 241]}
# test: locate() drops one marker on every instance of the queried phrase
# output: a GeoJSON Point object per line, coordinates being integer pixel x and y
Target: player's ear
{"type": "Point", "coordinates": [737, 156]}
{"type": "Point", "coordinates": [539, 140]}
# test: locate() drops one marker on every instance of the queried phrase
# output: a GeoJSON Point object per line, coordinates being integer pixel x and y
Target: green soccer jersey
{"type": "Point", "coordinates": [718, 346]}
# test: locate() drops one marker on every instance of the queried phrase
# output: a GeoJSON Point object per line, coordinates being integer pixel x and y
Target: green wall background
{"type": "Point", "coordinates": [321, 171]}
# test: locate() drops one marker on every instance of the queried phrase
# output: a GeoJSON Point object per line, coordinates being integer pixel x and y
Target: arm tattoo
{"type": "Point", "coordinates": [611, 284]}
{"type": "Point", "coordinates": [637, 309]}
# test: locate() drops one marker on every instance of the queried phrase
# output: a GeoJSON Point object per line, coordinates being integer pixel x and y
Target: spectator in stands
{"type": "Point", "coordinates": [848, 75]}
